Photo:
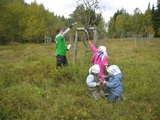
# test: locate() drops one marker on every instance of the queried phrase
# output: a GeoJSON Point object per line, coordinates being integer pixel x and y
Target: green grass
{"type": "Point", "coordinates": [31, 88]}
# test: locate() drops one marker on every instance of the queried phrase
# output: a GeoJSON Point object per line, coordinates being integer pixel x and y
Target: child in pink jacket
{"type": "Point", "coordinates": [99, 57]}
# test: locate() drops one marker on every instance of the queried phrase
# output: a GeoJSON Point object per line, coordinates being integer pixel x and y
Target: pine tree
{"type": "Point", "coordinates": [156, 19]}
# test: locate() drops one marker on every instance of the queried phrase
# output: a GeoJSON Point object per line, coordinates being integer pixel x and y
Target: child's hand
{"type": "Point", "coordinates": [98, 84]}
{"type": "Point", "coordinates": [104, 82]}
{"type": "Point", "coordinates": [89, 41]}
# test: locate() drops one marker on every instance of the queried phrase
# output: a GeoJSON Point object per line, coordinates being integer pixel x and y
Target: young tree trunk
{"type": "Point", "coordinates": [96, 36]}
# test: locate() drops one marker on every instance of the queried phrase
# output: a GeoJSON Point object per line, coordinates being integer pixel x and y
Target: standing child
{"type": "Point", "coordinates": [99, 57]}
{"type": "Point", "coordinates": [113, 83]}
{"type": "Point", "coordinates": [61, 47]}
{"type": "Point", "coordinates": [93, 83]}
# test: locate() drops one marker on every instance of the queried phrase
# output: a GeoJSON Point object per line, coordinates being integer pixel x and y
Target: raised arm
{"type": "Point", "coordinates": [66, 31]}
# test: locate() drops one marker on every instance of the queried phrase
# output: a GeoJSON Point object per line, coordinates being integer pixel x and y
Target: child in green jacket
{"type": "Point", "coordinates": [61, 47]}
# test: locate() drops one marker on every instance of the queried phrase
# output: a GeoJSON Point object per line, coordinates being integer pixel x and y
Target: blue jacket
{"type": "Point", "coordinates": [114, 84]}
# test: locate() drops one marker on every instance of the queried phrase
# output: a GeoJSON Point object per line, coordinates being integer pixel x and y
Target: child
{"type": "Point", "coordinates": [99, 57]}
{"type": "Point", "coordinates": [61, 47]}
{"type": "Point", "coordinates": [93, 83]}
{"type": "Point", "coordinates": [113, 83]}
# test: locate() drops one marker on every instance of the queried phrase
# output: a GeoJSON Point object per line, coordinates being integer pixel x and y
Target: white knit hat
{"type": "Point", "coordinates": [103, 48]}
{"type": "Point", "coordinates": [113, 69]}
{"type": "Point", "coordinates": [94, 69]}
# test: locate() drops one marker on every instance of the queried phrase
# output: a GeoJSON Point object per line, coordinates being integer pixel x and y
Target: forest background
{"type": "Point", "coordinates": [21, 22]}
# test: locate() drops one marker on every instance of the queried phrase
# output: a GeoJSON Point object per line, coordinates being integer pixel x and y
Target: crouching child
{"type": "Point", "coordinates": [113, 84]}
{"type": "Point", "coordinates": [94, 84]}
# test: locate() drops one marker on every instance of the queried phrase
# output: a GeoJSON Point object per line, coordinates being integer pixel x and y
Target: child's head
{"type": "Point", "coordinates": [102, 49]}
{"type": "Point", "coordinates": [113, 70]}
{"type": "Point", "coordinates": [60, 31]}
{"type": "Point", "coordinates": [94, 69]}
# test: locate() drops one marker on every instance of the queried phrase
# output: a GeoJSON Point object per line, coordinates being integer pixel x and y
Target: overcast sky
{"type": "Point", "coordinates": [66, 7]}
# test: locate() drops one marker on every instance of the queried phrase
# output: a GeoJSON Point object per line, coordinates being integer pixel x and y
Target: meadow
{"type": "Point", "coordinates": [31, 88]}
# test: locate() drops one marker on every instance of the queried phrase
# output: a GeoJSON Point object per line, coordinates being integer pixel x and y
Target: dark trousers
{"type": "Point", "coordinates": [61, 60]}
{"type": "Point", "coordinates": [112, 98]}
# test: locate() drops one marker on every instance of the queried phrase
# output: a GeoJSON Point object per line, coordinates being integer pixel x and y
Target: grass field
{"type": "Point", "coordinates": [31, 88]}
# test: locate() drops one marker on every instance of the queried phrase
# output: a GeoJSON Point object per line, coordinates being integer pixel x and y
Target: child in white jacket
{"type": "Point", "coordinates": [94, 83]}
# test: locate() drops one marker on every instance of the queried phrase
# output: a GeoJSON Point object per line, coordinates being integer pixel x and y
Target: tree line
{"type": "Point", "coordinates": [22, 22]}
{"type": "Point", "coordinates": [124, 24]}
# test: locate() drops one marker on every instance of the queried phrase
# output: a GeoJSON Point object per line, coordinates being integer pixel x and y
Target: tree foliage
{"type": "Point", "coordinates": [156, 19]}
{"type": "Point", "coordinates": [122, 23]}
{"type": "Point", "coordinates": [86, 13]}
{"type": "Point", "coordinates": [21, 22]}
